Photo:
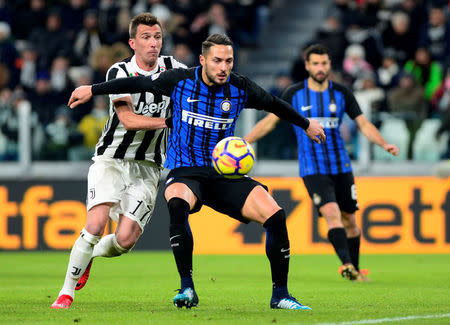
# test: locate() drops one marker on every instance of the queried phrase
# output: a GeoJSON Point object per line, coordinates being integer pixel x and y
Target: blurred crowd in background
{"type": "Point", "coordinates": [394, 54]}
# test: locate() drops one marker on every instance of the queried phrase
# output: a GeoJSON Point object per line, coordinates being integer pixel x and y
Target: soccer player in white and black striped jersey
{"type": "Point", "coordinates": [129, 156]}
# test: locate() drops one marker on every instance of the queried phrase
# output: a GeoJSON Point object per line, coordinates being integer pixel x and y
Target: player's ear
{"type": "Point", "coordinates": [131, 43]}
{"type": "Point", "coordinates": [202, 60]}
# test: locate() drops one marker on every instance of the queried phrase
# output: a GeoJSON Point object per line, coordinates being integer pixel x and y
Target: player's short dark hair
{"type": "Point", "coordinates": [215, 39]}
{"type": "Point", "coordinates": [317, 49]}
{"type": "Point", "coordinates": [144, 18]}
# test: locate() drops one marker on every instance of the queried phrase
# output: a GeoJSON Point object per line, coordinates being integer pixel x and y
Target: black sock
{"type": "Point", "coordinates": [181, 239]}
{"type": "Point", "coordinates": [277, 248]}
{"type": "Point", "coordinates": [353, 248]}
{"type": "Point", "coordinates": [338, 238]}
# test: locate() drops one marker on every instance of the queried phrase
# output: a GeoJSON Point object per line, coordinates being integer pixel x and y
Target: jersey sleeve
{"type": "Point", "coordinates": [113, 73]}
{"type": "Point", "coordinates": [351, 105]}
{"type": "Point", "coordinates": [260, 99]}
{"type": "Point", "coordinates": [161, 83]}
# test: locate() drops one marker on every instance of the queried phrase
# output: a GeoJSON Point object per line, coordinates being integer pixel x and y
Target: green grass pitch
{"type": "Point", "coordinates": [138, 289]}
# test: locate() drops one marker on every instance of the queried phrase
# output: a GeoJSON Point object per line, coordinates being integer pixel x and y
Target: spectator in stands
{"type": "Point", "coordinates": [415, 10]}
{"type": "Point", "coordinates": [298, 70]}
{"type": "Point", "coordinates": [44, 99]}
{"type": "Point", "coordinates": [6, 14]}
{"type": "Point", "coordinates": [345, 10]}
{"type": "Point", "coordinates": [88, 39]}
{"type": "Point", "coordinates": [369, 10]}
{"type": "Point", "coordinates": [110, 12]}
{"type": "Point", "coordinates": [369, 97]}
{"type": "Point", "coordinates": [34, 14]}
{"type": "Point", "coordinates": [100, 61]}
{"type": "Point", "coordinates": [72, 15]}
{"type": "Point", "coordinates": [407, 101]}
{"type": "Point", "coordinates": [355, 65]}
{"type": "Point", "coordinates": [388, 74]}
{"type": "Point", "coordinates": [282, 81]}
{"type": "Point", "coordinates": [28, 67]}
{"type": "Point", "coordinates": [59, 78]}
{"type": "Point", "coordinates": [8, 54]}
{"type": "Point", "coordinates": [398, 38]}
{"type": "Point", "coordinates": [435, 35]}
{"type": "Point", "coordinates": [428, 73]}
{"type": "Point", "coordinates": [81, 76]}
{"type": "Point", "coordinates": [445, 127]}
{"type": "Point", "coordinates": [183, 53]}
{"type": "Point", "coordinates": [59, 136]}
{"type": "Point", "coordinates": [331, 34]}
{"type": "Point", "coordinates": [91, 127]}
{"type": "Point", "coordinates": [50, 41]}
{"type": "Point", "coordinates": [441, 98]}
{"type": "Point", "coordinates": [10, 124]}
{"type": "Point", "coordinates": [367, 38]}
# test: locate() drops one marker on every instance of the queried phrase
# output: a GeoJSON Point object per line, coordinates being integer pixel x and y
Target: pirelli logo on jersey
{"type": "Point", "coordinates": [328, 122]}
{"type": "Point", "coordinates": [207, 122]}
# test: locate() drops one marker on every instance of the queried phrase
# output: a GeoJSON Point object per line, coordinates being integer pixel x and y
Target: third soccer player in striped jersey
{"type": "Point", "coordinates": [326, 168]}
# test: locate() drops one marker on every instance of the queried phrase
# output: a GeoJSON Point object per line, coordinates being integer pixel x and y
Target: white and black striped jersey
{"type": "Point", "coordinates": [116, 141]}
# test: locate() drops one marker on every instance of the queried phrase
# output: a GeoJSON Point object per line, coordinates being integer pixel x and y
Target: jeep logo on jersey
{"type": "Point", "coordinates": [225, 105]}
{"type": "Point", "coordinates": [207, 122]}
{"type": "Point", "coordinates": [328, 122]}
{"type": "Point", "coordinates": [148, 106]}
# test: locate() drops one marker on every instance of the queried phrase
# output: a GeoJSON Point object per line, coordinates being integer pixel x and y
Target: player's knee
{"type": "Point", "coordinates": [126, 241]}
{"type": "Point", "coordinates": [118, 248]}
{"type": "Point", "coordinates": [178, 210]}
{"type": "Point", "coordinates": [89, 237]}
{"type": "Point", "coordinates": [95, 229]}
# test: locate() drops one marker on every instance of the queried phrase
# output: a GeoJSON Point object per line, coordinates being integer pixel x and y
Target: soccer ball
{"type": "Point", "coordinates": [233, 157]}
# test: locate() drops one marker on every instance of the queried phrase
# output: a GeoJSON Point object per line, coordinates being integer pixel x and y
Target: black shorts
{"type": "Point", "coordinates": [224, 195]}
{"type": "Point", "coordinates": [338, 188]}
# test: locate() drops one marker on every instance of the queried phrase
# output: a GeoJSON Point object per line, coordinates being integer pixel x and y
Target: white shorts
{"type": "Point", "coordinates": [131, 185]}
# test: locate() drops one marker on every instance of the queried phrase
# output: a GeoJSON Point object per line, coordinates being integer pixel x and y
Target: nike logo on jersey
{"type": "Point", "coordinates": [283, 250]}
{"type": "Point", "coordinates": [189, 100]}
{"type": "Point", "coordinates": [305, 108]}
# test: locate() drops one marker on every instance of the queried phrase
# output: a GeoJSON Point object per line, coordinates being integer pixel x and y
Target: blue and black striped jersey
{"type": "Point", "coordinates": [202, 115]}
{"type": "Point", "coordinates": [328, 107]}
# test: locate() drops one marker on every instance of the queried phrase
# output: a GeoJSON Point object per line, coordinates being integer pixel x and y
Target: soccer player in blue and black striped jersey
{"type": "Point", "coordinates": [326, 168]}
{"type": "Point", "coordinates": [207, 101]}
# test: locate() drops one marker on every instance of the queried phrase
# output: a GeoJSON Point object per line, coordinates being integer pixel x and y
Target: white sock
{"type": "Point", "coordinates": [108, 247]}
{"type": "Point", "coordinates": [80, 256]}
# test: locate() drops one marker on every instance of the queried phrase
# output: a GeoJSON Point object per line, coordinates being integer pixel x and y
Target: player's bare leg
{"type": "Point", "coordinates": [81, 254]}
{"type": "Point", "coordinates": [262, 208]}
{"type": "Point", "coordinates": [180, 200]}
{"type": "Point", "coordinates": [338, 238]}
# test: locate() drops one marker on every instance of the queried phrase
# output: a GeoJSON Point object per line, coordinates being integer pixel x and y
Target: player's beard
{"type": "Point", "coordinates": [320, 80]}
{"type": "Point", "coordinates": [212, 78]}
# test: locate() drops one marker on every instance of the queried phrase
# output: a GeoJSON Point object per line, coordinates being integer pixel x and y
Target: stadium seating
{"type": "Point", "coordinates": [394, 130]}
{"type": "Point", "coordinates": [425, 146]}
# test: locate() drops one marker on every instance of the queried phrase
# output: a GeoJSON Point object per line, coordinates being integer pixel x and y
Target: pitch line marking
{"type": "Point", "coordinates": [387, 320]}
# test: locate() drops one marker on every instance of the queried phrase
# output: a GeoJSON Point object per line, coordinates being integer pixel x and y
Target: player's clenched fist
{"type": "Point", "coordinates": [315, 131]}
{"type": "Point", "coordinates": [80, 95]}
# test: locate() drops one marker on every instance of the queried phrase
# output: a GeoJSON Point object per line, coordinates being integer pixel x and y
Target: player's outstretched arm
{"type": "Point", "coordinates": [264, 126]}
{"type": "Point", "coordinates": [371, 133]}
{"type": "Point", "coordinates": [116, 86]}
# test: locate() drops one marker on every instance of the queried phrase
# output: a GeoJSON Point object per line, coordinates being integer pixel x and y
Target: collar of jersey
{"type": "Point", "coordinates": [144, 72]}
